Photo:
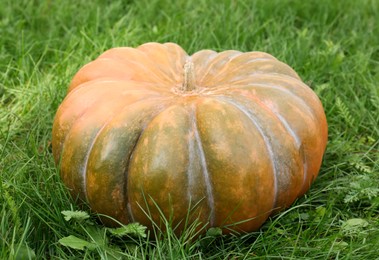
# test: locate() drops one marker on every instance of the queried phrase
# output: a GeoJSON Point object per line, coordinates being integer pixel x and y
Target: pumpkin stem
{"type": "Point", "coordinates": [189, 76]}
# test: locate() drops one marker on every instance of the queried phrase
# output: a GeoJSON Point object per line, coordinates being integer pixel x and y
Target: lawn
{"type": "Point", "coordinates": [334, 47]}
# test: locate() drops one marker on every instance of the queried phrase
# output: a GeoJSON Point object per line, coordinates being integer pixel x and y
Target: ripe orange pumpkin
{"type": "Point", "coordinates": [237, 134]}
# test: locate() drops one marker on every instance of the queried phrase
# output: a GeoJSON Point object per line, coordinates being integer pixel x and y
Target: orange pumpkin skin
{"type": "Point", "coordinates": [237, 134]}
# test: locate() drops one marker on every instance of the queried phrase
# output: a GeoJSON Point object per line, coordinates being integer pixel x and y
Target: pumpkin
{"type": "Point", "coordinates": [152, 131]}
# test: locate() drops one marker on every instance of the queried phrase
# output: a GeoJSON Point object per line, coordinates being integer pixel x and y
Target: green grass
{"type": "Point", "coordinates": [333, 45]}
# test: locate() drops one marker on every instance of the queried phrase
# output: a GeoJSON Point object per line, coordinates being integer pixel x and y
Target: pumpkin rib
{"type": "Point", "coordinates": [127, 199]}
{"type": "Point", "coordinates": [61, 144]}
{"type": "Point", "coordinates": [77, 121]}
{"type": "Point", "coordinates": [97, 69]}
{"type": "Point", "coordinates": [177, 65]}
{"type": "Point", "coordinates": [288, 129]}
{"type": "Point", "coordinates": [67, 99]}
{"type": "Point", "coordinates": [89, 108]}
{"type": "Point", "coordinates": [213, 77]}
{"type": "Point", "coordinates": [314, 111]}
{"type": "Point", "coordinates": [84, 174]}
{"type": "Point", "coordinates": [161, 164]}
{"type": "Point", "coordinates": [137, 146]}
{"type": "Point", "coordinates": [260, 69]}
{"type": "Point", "coordinates": [279, 117]}
{"type": "Point", "coordinates": [260, 56]}
{"type": "Point", "coordinates": [251, 117]}
{"type": "Point", "coordinates": [179, 52]}
{"type": "Point", "coordinates": [297, 88]}
{"type": "Point", "coordinates": [276, 114]}
{"type": "Point", "coordinates": [58, 151]}
{"type": "Point", "coordinates": [124, 86]}
{"type": "Point", "coordinates": [101, 129]}
{"type": "Point", "coordinates": [313, 115]}
{"type": "Point", "coordinates": [298, 143]}
{"type": "Point", "coordinates": [255, 74]}
{"type": "Point", "coordinates": [110, 157]}
{"type": "Point", "coordinates": [219, 58]}
{"type": "Point", "coordinates": [201, 59]}
{"type": "Point", "coordinates": [127, 169]}
{"type": "Point", "coordinates": [311, 104]}
{"type": "Point", "coordinates": [69, 155]}
{"type": "Point", "coordinates": [279, 81]}
{"type": "Point", "coordinates": [191, 157]}
{"type": "Point", "coordinates": [241, 173]}
{"type": "Point", "coordinates": [139, 85]}
{"type": "Point", "coordinates": [282, 89]}
{"type": "Point", "coordinates": [251, 84]}
{"type": "Point", "coordinates": [143, 62]}
{"type": "Point", "coordinates": [269, 75]}
{"type": "Point", "coordinates": [153, 54]}
{"type": "Point", "coordinates": [309, 95]}
{"type": "Point", "coordinates": [206, 175]}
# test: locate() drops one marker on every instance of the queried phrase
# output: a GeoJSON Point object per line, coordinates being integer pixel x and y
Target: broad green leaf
{"type": "Point", "coordinates": [76, 243]}
{"type": "Point", "coordinates": [24, 252]}
{"type": "Point", "coordinates": [354, 223]}
{"type": "Point", "coordinates": [97, 235]}
{"type": "Point", "coordinates": [354, 226]}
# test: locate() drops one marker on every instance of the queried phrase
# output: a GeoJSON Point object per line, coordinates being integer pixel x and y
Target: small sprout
{"type": "Point", "coordinates": [135, 229]}
{"type": "Point", "coordinates": [77, 215]}
{"type": "Point", "coordinates": [214, 232]}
